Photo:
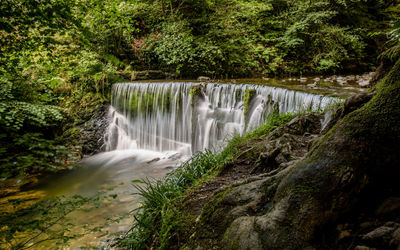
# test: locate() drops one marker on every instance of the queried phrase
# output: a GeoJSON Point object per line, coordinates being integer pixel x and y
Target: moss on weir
{"type": "Point", "coordinates": [196, 91]}
{"type": "Point", "coordinates": [248, 96]}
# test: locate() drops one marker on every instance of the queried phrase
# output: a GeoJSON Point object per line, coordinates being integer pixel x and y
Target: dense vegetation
{"type": "Point", "coordinates": [59, 58]}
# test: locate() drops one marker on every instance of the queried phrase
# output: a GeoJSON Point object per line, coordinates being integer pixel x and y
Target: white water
{"type": "Point", "coordinates": [161, 116]}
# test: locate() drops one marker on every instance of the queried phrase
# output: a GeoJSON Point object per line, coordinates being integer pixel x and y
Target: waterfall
{"type": "Point", "coordinates": [188, 117]}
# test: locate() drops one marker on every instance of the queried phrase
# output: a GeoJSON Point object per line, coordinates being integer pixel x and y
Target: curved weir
{"type": "Point", "coordinates": [188, 117]}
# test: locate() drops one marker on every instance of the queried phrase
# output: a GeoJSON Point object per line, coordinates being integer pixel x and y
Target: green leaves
{"type": "Point", "coordinates": [30, 153]}
{"type": "Point", "coordinates": [14, 115]}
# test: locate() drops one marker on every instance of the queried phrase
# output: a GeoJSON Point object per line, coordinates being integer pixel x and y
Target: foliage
{"type": "Point", "coordinates": [31, 153]}
{"type": "Point", "coordinates": [242, 38]}
{"type": "Point", "coordinates": [48, 67]}
{"type": "Point", "coordinates": [174, 47]}
{"type": "Point", "coordinates": [393, 51]}
{"type": "Point", "coordinates": [116, 20]}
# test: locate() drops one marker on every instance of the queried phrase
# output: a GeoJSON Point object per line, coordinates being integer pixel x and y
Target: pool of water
{"type": "Point", "coordinates": [108, 175]}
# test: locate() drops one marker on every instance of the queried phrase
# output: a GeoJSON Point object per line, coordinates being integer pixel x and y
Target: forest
{"type": "Point", "coordinates": [59, 60]}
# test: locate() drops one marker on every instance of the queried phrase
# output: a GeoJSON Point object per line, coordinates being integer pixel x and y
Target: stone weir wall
{"type": "Point", "coordinates": [189, 117]}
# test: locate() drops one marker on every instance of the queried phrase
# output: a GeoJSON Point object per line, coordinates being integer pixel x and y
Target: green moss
{"type": "Point", "coordinates": [196, 92]}
{"type": "Point", "coordinates": [238, 94]}
{"type": "Point", "coordinates": [248, 96]}
{"type": "Point", "coordinates": [72, 135]}
{"type": "Point", "coordinates": [133, 104]}
{"type": "Point", "coordinates": [230, 244]}
{"type": "Point", "coordinates": [213, 222]}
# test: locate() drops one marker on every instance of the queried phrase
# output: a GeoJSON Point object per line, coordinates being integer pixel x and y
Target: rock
{"type": "Point", "coordinates": [312, 85]}
{"type": "Point", "coordinates": [267, 161]}
{"type": "Point", "coordinates": [365, 79]}
{"type": "Point", "coordinates": [203, 78]}
{"type": "Point", "coordinates": [396, 238]}
{"type": "Point", "coordinates": [329, 79]}
{"type": "Point", "coordinates": [341, 180]}
{"type": "Point", "coordinates": [92, 132]}
{"type": "Point", "coordinates": [356, 101]}
{"type": "Point", "coordinates": [341, 80]}
{"type": "Point", "coordinates": [309, 123]}
{"type": "Point", "coordinates": [363, 248]}
{"type": "Point", "coordinates": [363, 83]}
{"type": "Point", "coordinates": [175, 156]}
{"type": "Point", "coordinates": [378, 233]}
{"type": "Point", "coordinates": [390, 205]}
{"type": "Point", "coordinates": [344, 234]}
{"type": "Point", "coordinates": [381, 72]}
{"type": "Point", "coordinates": [242, 234]}
{"type": "Point", "coordinates": [384, 235]}
{"type": "Point", "coordinates": [153, 160]}
{"type": "Point", "coordinates": [350, 78]}
{"type": "Point", "coordinates": [303, 79]}
{"type": "Point", "coordinates": [147, 75]}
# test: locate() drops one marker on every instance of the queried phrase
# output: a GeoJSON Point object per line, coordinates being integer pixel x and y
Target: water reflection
{"type": "Point", "coordinates": [109, 174]}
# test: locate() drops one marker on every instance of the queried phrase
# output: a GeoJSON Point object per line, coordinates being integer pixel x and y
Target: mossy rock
{"type": "Point", "coordinates": [196, 93]}
{"type": "Point", "coordinates": [248, 96]}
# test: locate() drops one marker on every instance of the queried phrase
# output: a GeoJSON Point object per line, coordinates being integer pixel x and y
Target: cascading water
{"type": "Point", "coordinates": [188, 117]}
